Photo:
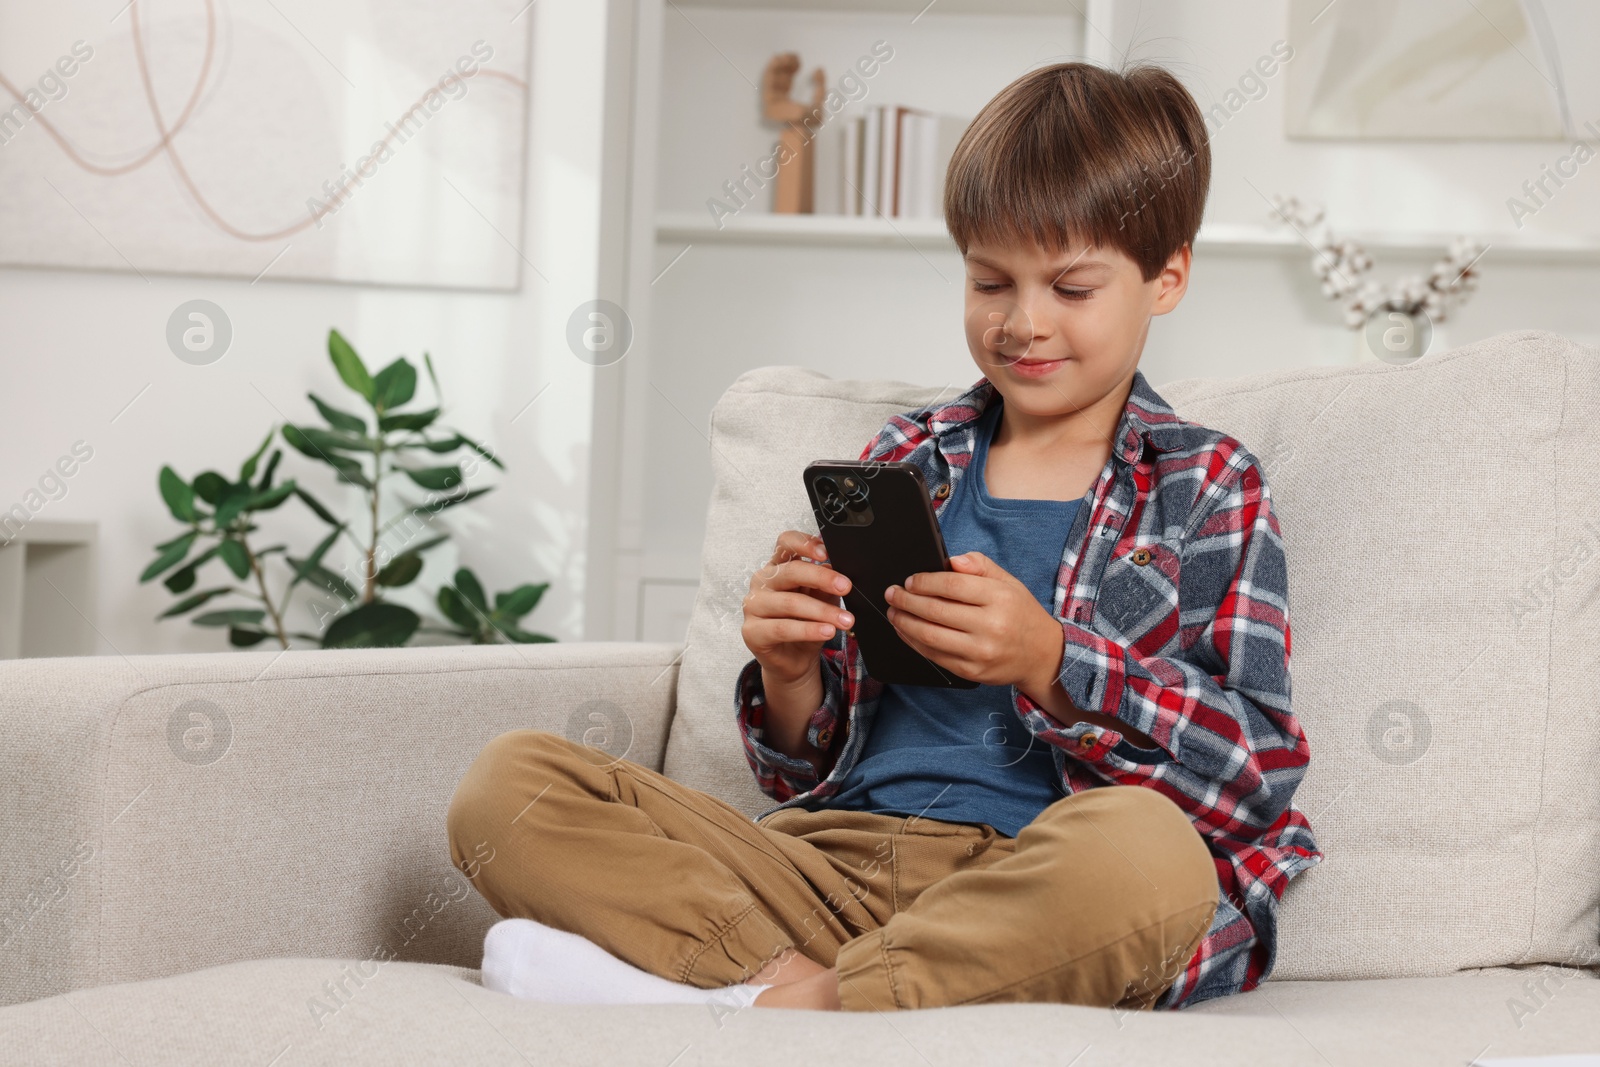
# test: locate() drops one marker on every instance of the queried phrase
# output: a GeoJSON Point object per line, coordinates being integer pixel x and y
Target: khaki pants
{"type": "Point", "coordinates": [1101, 900]}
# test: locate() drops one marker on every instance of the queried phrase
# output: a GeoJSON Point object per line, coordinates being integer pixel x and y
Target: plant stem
{"type": "Point", "coordinates": [261, 580]}
{"type": "Point", "coordinates": [369, 591]}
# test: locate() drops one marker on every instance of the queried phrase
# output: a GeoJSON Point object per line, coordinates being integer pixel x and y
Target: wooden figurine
{"type": "Point", "coordinates": [797, 165]}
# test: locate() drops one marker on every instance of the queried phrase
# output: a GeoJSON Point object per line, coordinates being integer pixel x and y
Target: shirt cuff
{"type": "Point", "coordinates": [819, 732]}
{"type": "Point", "coordinates": [1092, 675]}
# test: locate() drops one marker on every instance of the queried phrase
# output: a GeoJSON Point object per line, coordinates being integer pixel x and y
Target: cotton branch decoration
{"type": "Point", "coordinates": [1342, 265]}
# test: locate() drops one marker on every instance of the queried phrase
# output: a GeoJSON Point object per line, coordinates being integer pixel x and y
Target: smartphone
{"type": "Point", "coordinates": [880, 528]}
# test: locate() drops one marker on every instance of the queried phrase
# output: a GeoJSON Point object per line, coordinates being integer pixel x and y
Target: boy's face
{"type": "Point", "coordinates": [1057, 333]}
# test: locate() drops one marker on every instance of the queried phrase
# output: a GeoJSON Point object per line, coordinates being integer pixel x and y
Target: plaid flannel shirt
{"type": "Point", "coordinates": [1173, 598]}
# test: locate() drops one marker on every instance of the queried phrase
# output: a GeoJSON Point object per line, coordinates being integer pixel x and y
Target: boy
{"type": "Point", "coordinates": [1107, 818]}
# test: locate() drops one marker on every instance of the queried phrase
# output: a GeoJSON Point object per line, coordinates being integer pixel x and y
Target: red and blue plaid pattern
{"type": "Point", "coordinates": [1186, 642]}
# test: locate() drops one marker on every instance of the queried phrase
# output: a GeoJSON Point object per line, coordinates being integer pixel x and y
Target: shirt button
{"type": "Point", "coordinates": [1087, 741]}
{"type": "Point", "coordinates": [1141, 556]}
{"type": "Point", "coordinates": [824, 735]}
{"type": "Point", "coordinates": [942, 491]}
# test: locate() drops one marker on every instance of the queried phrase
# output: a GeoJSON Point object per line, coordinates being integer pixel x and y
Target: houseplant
{"type": "Point", "coordinates": [365, 450]}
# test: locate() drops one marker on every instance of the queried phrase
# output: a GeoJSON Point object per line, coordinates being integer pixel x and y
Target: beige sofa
{"type": "Point", "coordinates": [240, 858]}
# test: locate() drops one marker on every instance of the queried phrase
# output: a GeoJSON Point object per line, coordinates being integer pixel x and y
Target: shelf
{"type": "Point", "coordinates": [844, 231]}
{"type": "Point", "coordinates": [766, 228]}
{"type": "Point", "coordinates": [907, 7]}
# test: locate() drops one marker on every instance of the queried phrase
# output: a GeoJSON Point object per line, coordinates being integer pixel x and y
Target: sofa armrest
{"type": "Point", "coordinates": [165, 813]}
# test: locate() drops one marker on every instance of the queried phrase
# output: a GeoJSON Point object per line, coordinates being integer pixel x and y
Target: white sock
{"type": "Point", "coordinates": [533, 961]}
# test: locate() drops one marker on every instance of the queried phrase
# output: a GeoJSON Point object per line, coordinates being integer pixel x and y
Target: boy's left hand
{"type": "Point", "coordinates": [978, 621]}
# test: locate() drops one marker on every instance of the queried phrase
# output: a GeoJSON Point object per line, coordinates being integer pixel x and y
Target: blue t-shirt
{"type": "Point", "coordinates": [962, 755]}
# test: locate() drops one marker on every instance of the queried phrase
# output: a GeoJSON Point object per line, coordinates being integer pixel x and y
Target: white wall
{"type": "Point", "coordinates": [77, 347]}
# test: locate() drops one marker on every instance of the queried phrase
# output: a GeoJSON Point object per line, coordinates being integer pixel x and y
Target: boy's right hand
{"type": "Point", "coordinates": [793, 608]}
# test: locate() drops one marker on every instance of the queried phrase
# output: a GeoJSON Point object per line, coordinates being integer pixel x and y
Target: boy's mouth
{"type": "Point", "coordinates": [1036, 368]}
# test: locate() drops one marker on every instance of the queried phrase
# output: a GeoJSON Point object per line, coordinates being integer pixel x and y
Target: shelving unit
{"type": "Point", "coordinates": [709, 301]}
{"type": "Point", "coordinates": [690, 73]}
{"type": "Point", "coordinates": [47, 590]}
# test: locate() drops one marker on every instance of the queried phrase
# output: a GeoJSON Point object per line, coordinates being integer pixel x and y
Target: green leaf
{"type": "Point", "coordinates": [240, 638]}
{"type": "Point", "coordinates": [438, 478]}
{"type": "Point", "coordinates": [338, 419]}
{"type": "Point", "coordinates": [375, 625]}
{"type": "Point", "coordinates": [414, 420]}
{"type": "Point", "coordinates": [515, 603]}
{"type": "Point", "coordinates": [480, 450]}
{"type": "Point", "coordinates": [522, 637]}
{"type": "Point", "coordinates": [178, 495]}
{"type": "Point", "coordinates": [169, 556]}
{"type": "Point", "coordinates": [457, 610]}
{"type": "Point", "coordinates": [209, 486]}
{"type": "Point", "coordinates": [318, 575]}
{"type": "Point", "coordinates": [182, 579]}
{"type": "Point", "coordinates": [189, 603]}
{"type": "Point", "coordinates": [438, 394]}
{"type": "Point", "coordinates": [248, 471]}
{"type": "Point", "coordinates": [350, 472]}
{"type": "Point", "coordinates": [351, 370]}
{"type": "Point", "coordinates": [402, 570]}
{"type": "Point", "coordinates": [230, 617]}
{"type": "Point", "coordinates": [271, 498]}
{"type": "Point", "coordinates": [324, 443]}
{"type": "Point", "coordinates": [272, 468]}
{"type": "Point", "coordinates": [163, 546]}
{"type": "Point", "coordinates": [394, 386]}
{"type": "Point", "coordinates": [234, 555]}
{"type": "Point", "coordinates": [233, 502]}
{"type": "Point", "coordinates": [315, 505]}
{"type": "Point", "coordinates": [449, 501]}
{"type": "Point", "coordinates": [304, 569]}
{"type": "Point", "coordinates": [301, 440]}
{"type": "Point", "coordinates": [468, 584]}
{"type": "Point", "coordinates": [444, 444]}
{"type": "Point", "coordinates": [311, 569]}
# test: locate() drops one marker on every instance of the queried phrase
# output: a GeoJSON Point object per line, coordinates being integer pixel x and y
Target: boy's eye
{"type": "Point", "coordinates": [1070, 294]}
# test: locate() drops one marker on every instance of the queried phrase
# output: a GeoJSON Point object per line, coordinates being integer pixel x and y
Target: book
{"type": "Point", "coordinates": [918, 150]}
{"type": "Point", "coordinates": [888, 157]}
{"type": "Point", "coordinates": [890, 160]}
{"type": "Point", "coordinates": [850, 185]}
{"type": "Point", "coordinates": [871, 160]}
{"type": "Point", "coordinates": [827, 146]}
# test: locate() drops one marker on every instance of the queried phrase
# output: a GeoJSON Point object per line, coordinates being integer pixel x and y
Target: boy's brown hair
{"type": "Point", "coordinates": [1076, 153]}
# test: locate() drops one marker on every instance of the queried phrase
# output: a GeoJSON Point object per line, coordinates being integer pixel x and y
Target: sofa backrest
{"type": "Point", "coordinates": [1442, 525]}
{"type": "Point", "coordinates": [160, 814]}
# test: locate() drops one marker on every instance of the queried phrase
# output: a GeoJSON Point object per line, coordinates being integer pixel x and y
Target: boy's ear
{"type": "Point", "coordinates": [1174, 279]}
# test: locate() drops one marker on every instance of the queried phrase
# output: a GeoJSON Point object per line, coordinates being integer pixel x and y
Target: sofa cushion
{"type": "Point", "coordinates": [306, 1012]}
{"type": "Point", "coordinates": [1442, 524]}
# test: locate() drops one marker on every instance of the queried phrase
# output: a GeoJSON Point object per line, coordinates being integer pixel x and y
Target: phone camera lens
{"type": "Point", "coordinates": [829, 497]}
{"type": "Point", "coordinates": [853, 488]}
